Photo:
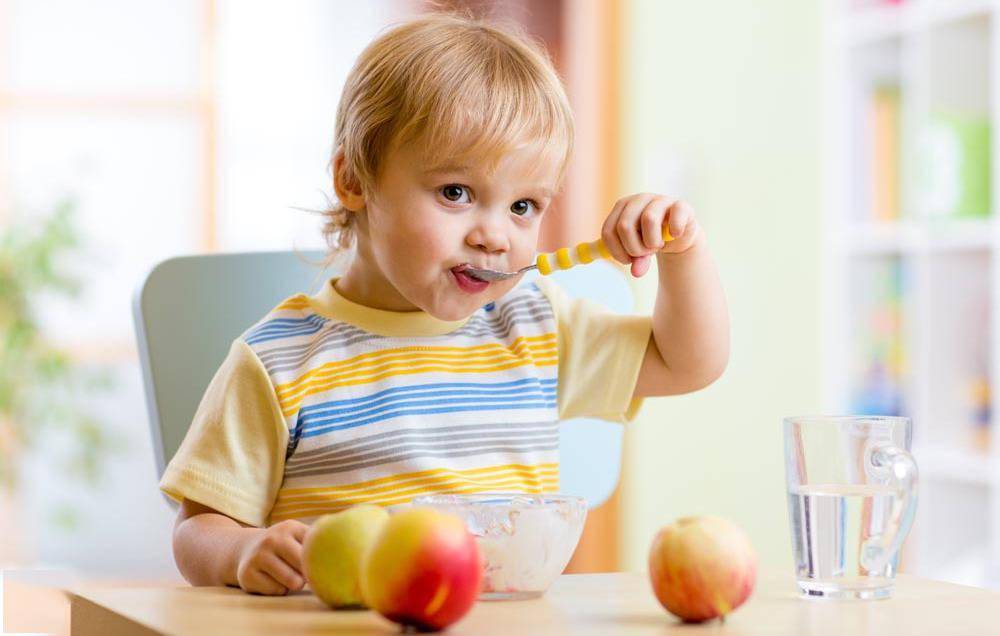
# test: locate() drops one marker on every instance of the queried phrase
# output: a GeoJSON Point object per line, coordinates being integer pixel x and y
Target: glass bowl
{"type": "Point", "coordinates": [525, 540]}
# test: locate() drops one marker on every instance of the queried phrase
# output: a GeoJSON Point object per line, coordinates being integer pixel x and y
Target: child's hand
{"type": "Point", "coordinates": [633, 231]}
{"type": "Point", "coordinates": [271, 563]}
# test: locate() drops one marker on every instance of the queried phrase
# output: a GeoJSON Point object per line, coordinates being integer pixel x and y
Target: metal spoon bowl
{"type": "Point", "coordinates": [494, 275]}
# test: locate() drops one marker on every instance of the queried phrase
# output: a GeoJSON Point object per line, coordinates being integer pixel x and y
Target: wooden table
{"type": "Point", "coordinates": [577, 604]}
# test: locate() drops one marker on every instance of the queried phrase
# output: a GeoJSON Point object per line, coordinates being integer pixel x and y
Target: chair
{"type": "Point", "coordinates": [188, 310]}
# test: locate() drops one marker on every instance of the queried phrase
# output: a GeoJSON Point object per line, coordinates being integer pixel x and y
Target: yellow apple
{"type": "Point", "coordinates": [334, 548]}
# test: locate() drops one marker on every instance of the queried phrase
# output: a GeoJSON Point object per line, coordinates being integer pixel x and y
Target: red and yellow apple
{"type": "Point", "coordinates": [424, 570]}
{"type": "Point", "coordinates": [333, 550]}
{"type": "Point", "coordinates": [702, 568]}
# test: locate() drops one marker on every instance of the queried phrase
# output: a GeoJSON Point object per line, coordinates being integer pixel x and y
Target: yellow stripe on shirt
{"type": "Point", "coordinates": [370, 367]}
{"type": "Point", "coordinates": [298, 301]}
{"type": "Point", "coordinates": [390, 482]}
{"type": "Point", "coordinates": [366, 360]}
{"type": "Point", "coordinates": [513, 484]}
{"type": "Point", "coordinates": [460, 482]}
{"type": "Point", "coordinates": [338, 505]}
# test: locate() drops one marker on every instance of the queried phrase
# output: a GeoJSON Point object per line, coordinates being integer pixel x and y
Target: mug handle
{"type": "Point", "coordinates": [886, 461]}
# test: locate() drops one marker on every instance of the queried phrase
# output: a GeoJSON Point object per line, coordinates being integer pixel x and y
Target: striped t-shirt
{"type": "Point", "coordinates": [325, 403]}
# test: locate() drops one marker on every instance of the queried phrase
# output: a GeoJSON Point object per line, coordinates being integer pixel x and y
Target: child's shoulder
{"type": "Point", "coordinates": [292, 317]}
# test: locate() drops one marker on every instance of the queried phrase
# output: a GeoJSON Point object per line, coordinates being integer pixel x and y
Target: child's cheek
{"type": "Point", "coordinates": [524, 248]}
{"type": "Point", "coordinates": [431, 241]}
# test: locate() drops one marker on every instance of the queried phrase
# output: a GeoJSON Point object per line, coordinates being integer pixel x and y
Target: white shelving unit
{"type": "Point", "coordinates": [944, 56]}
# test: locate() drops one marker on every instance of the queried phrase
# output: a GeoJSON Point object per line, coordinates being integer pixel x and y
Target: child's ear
{"type": "Point", "coordinates": [346, 186]}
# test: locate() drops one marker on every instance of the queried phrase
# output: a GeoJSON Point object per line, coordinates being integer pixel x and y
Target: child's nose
{"type": "Point", "coordinates": [489, 235]}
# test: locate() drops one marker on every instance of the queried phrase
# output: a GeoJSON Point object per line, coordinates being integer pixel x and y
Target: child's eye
{"type": "Point", "coordinates": [454, 192]}
{"type": "Point", "coordinates": [523, 206]}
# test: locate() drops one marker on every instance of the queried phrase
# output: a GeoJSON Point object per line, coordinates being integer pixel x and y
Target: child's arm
{"type": "Point", "coordinates": [689, 346]}
{"type": "Point", "coordinates": [211, 548]}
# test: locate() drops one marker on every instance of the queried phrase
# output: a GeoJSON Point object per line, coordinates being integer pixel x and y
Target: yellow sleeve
{"type": "Point", "coordinates": [233, 456]}
{"type": "Point", "coordinates": [600, 354]}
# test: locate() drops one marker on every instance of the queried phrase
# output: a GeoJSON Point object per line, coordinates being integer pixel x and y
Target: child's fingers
{"type": "Point", "coordinates": [610, 235]}
{"type": "Point", "coordinates": [651, 222]}
{"type": "Point", "coordinates": [627, 226]}
{"type": "Point", "coordinates": [641, 265]}
{"type": "Point", "coordinates": [258, 581]}
{"type": "Point", "coordinates": [281, 572]}
{"type": "Point", "coordinates": [651, 225]}
{"type": "Point", "coordinates": [293, 528]}
{"type": "Point", "coordinates": [290, 551]}
{"type": "Point", "coordinates": [679, 218]}
{"type": "Point", "coordinates": [618, 251]}
{"type": "Point", "coordinates": [299, 530]}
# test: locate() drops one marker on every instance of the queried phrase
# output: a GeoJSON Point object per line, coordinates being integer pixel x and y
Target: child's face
{"type": "Point", "coordinates": [421, 227]}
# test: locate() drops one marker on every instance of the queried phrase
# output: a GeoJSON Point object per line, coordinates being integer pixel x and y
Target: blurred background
{"type": "Point", "coordinates": [839, 154]}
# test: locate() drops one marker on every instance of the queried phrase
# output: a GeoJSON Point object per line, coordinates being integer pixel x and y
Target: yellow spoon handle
{"type": "Point", "coordinates": [565, 258]}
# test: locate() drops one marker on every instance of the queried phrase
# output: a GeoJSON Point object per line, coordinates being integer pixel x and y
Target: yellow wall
{"type": "Point", "coordinates": [732, 88]}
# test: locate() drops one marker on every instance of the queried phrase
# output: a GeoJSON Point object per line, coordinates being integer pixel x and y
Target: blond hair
{"type": "Point", "coordinates": [463, 87]}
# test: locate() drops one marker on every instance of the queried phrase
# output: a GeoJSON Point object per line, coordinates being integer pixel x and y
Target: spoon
{"type": "Point", "coordinates": [562, 258]}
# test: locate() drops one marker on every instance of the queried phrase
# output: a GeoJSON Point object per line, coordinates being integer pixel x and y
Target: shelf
{"type": "Point", "coordinates": [935, 235]}
{"type": "Point", "coordinates": [963, 234]}
{"type": "Point", "coordinates": [911, 294]}
{"type": "Point", "coordinates": [881, 23]}
{"type": "Point", "coordinates": [957, 464]}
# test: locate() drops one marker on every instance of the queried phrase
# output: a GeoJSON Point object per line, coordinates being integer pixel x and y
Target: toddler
{"type": "Point", "coordinates": [406, 375]}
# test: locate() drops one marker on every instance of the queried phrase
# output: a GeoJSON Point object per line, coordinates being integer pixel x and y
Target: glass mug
{"type": "Point", "coordinates": [852, 496]}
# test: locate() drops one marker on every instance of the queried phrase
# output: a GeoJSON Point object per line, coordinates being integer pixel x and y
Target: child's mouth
{"type": "Point", "coordinates": [466, 281]}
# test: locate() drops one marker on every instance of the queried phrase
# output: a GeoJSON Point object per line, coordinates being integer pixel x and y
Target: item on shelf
{"type": "Point", "coordinates": [879, 394]}
{"type": "Point", "coordinates": [879, 354]}
{"type": "Point", "coordinates": [885, 149]}
{"type": "Point", "coordinates": [955, 160]}
{"type": "Point", "coordinates": [981, 415]}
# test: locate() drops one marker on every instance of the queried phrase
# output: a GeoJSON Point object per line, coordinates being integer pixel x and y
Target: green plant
{"type": "Point", "coordinates": [41, 388]}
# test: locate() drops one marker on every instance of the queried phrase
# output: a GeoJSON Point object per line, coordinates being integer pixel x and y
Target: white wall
{"type": "Point", "coordinates": [722, 107]}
